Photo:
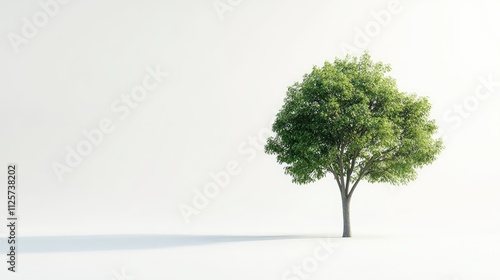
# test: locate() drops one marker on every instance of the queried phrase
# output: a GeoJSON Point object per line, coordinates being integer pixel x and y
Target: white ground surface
{"type": "Point", "coordinates": [252, 257]}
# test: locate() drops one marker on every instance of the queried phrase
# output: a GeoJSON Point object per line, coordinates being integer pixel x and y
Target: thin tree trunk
{"type": "Point", "coordinates": [347, 219]}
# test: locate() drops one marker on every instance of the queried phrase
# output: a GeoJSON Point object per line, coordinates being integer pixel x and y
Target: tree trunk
{"type": "Point", "coordinates": [347, 219]}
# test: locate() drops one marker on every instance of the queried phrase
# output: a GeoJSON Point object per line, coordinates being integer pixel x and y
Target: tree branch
{"type": "Point", "coordinates": [365, 170]}
{"type": "Point", "coordinates": [362, 173]}
{"type": "Point", "coordinates": [340, 160]}
{"type": "Point", "coordinates": [339, 183]}
{"type": "Point", "coordinates": [351, 168]}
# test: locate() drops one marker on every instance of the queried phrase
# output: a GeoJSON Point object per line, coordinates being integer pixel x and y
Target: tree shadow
{"type": "Point", "coordinates": [86, 243]}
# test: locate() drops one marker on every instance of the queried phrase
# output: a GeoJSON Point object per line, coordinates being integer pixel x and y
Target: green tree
{"type": "Point", "coordinates": [348, 118]}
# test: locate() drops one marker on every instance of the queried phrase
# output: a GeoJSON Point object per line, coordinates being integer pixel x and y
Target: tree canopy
{"type": "Point", "coordinates": [349, 118]}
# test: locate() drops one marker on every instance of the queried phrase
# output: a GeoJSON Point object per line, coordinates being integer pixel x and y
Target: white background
{"type": "Point", "coordinates": [228, 76]}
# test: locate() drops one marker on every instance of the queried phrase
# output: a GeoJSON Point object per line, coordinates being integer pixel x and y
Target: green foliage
{"type": "Point", "coordinates": [349, 118]}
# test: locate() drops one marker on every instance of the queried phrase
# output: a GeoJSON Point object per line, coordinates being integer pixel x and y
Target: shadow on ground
{"type": "Point", "coordinates": [52, 244]}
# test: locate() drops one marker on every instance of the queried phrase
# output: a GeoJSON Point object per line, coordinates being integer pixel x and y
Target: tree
{"type": "Point", "coordinates": [349, 119]}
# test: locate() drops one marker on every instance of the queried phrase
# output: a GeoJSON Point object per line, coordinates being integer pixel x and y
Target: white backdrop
{"type": "Point", "coordinates": [229, 64]}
